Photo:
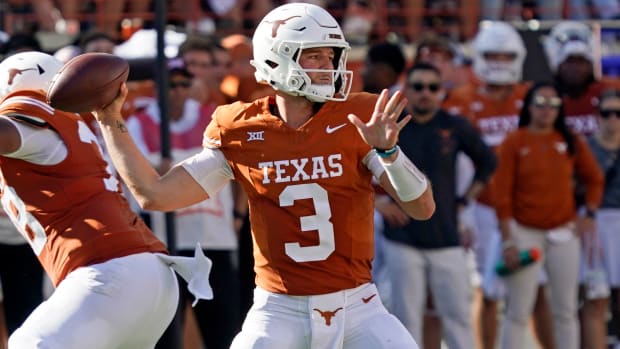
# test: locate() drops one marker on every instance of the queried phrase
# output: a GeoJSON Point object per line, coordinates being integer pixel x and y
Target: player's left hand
{"type": "Point", "coordinates": [382, 130]}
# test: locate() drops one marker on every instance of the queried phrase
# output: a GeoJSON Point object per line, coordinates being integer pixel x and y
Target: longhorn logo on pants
{"type": "Point", "coordinates": [328, 315]}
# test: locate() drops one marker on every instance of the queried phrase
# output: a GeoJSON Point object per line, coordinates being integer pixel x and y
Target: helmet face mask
{"type": "Point", "coordinates": [281, 37]}
{"type": "Point", "coordinates": [30, 70]}
{"type": "Point", "coordinates": [495, 40]}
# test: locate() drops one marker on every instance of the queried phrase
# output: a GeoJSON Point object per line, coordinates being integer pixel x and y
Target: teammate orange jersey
{"type": "Point", "coordinates": [493, 119]}
{"type": "Point", "coordinates": [581, 111]}
{"type": "Point", "coordinates": [310, 193]}
{"type": "Point", "coordinates": [72, 213]}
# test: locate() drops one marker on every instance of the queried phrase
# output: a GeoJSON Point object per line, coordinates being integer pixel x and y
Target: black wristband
{"type": "Point", "coordinates": [590, 213]}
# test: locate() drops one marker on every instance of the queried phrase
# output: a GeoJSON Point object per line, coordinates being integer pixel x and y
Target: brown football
{"type": "Point", "coordinates": [87, 82]}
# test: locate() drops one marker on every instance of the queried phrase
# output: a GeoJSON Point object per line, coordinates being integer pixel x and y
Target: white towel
{"type": "Point", "coordinates": [195, 271]}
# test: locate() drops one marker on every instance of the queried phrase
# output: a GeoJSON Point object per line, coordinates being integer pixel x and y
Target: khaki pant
{"type": "Point", "coordinates": [560, 249]}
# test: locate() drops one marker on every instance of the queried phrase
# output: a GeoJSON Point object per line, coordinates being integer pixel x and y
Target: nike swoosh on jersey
{"type": "Point", "coordinates": [330, 129]}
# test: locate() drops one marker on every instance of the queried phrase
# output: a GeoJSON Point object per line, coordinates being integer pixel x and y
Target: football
{"type": "Point", "coordinates": [87, 82]}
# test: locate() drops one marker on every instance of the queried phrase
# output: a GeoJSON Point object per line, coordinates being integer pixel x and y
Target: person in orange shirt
{"type": "Point", "coordinates": [306, 158]}
{"type": "Point", "coordinates": [62, 196]}
{"type": "Point", "coordinates": [536, 208]}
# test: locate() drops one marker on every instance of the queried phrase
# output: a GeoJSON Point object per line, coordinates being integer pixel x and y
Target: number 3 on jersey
{"type": "Point", "coordinates": [318, 222]}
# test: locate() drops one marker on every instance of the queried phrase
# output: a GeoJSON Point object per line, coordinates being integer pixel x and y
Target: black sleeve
{"type": "Point", "coordinates": [471, 143]}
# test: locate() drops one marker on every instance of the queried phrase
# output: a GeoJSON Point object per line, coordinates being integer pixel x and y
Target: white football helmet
{"type": "Point", "coordinates": [568, 38]}
{"type": "Point", "coordinates": [498, 37]}
{"type": "Point", "coordinates": [30, 70]}
{"type": "Point", "coordinates": [277, 44]}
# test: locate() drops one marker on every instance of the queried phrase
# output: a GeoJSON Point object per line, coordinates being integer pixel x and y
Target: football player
{"type": "Point", "coordinates": [570, 51]}
{"type": "Point", "coordinates": [306, 157]}
{"type": "Point", "coordinates": [61, 195]}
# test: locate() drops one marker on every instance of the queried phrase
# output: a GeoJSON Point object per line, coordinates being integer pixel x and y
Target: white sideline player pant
{"type": "Point", "coordinates": [560, 249]}
{"type": "Point", "coordinates": [123, 303]}
{"type": "Point", "coordinates": [350, 319]}
{"type": "Point", "coordinates": [443, 271]}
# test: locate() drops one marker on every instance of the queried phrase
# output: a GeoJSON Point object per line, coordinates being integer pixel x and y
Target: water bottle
{"type": "Point", "coordinates": [526, 257]}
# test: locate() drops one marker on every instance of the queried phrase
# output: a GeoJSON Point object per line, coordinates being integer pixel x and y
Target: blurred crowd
{"type": "Point", "coordinates": [361, 20]}
{"type": "Point", "coordinates": [528, 164]}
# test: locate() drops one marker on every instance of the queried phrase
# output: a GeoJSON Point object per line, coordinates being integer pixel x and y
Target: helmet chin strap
{"type": "Point", "coordinates": [320, 92]}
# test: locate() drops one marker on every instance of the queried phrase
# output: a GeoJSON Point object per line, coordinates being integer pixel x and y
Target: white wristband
{"type": "Point", "coordinates": [406, 179]}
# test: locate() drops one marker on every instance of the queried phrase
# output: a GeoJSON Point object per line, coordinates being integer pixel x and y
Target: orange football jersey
{"type": "Point", "coordinates": [493, 119]}
{"type": "Point", "coordinates": [581, 111]}
{"type": "Point", "coordinates": [72, 213]}
{"type": "Point", "coordinates": [310, 194]}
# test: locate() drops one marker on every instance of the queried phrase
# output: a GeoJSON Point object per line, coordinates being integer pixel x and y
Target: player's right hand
{"type": "Point", "coordinates": [112, 111]}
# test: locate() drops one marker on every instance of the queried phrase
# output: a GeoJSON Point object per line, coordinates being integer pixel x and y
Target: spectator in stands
{"type": "Point", "coordinates": [198, 53]}
{"type": "Point", "coordinates": [20, 42]}
{"type": "Point", "coordinates": [111, 13]}
{"type": "Point", "coordinates": [497, 10]}
{"type": "Point", "coordinates": [536, 209]}
{"type": "Point", "coordinates": [492, 103]}
{"type": "Point", "coordinates": [32, 16]}
{"type": "Point", "coordinates": [455, 19]}
{"type": "Point", "coordinates": [605, 144]}
{"type": "Point", "coordinates": [383, 67]}
{"type": "Point", "coordinates": [210, 222]}
{"type": "Point", "coordinates": [569, 50]}
{"type": "Point", "coordinates": [96, 41]}
{"type": "Point", "coordinates": [428, 254]}
{"type": "Point", "coordinates": [358, 20]}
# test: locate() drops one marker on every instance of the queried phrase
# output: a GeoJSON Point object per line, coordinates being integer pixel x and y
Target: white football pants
{"type": "Point", "coordinates": [124, 303]}
{"type": "Point", "coordinates": [350, 319]}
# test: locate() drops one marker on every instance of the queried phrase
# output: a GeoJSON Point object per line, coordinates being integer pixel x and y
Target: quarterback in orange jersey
{"type": "Point", "coordinates": [60, 194]}
{"type": "Point", "coordinates": [306, 157]}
